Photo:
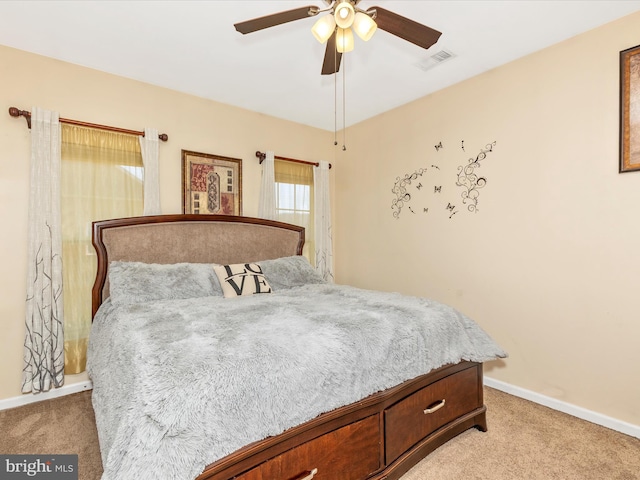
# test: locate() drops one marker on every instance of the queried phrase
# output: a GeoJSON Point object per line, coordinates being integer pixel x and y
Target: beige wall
{"type": "Point", "coordinates": [549, 265]}
{"type": "Point", "coordinates": [192, 123]}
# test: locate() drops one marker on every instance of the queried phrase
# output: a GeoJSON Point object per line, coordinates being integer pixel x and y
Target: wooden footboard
{"type": "Point", "coordinates": [380, 437]}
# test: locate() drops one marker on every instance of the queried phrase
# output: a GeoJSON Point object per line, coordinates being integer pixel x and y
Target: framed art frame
{"type": "Point", "coordinates": [630, 110]}
{"type": "Point", "coordinates": [211, 184]}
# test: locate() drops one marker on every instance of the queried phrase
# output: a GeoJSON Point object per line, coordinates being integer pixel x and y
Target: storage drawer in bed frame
{"type": "Point", "coordinates": [419, 415]}
{"type": "Point", "coordinates": [350, 453]}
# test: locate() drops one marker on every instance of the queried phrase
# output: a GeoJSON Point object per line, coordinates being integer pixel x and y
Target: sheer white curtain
{"type": "Point", "coordinates": [267, 202]}
{"type": "Point", "coordinates": [322, 219]}
{"type": "Point", "coordinates": [44, 339]}
{"type": "Point", "coordinates": [149, 147]}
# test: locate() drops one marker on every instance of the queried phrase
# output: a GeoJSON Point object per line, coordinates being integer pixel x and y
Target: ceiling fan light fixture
{"type": "Point", "coordinates": [344, 14]}
{"type": "Point", "coordinates": [324, 28]}
{"type": "Point", "coordinates": [364, 26]}
{"type": "Point", "coordinates": [344, 40]}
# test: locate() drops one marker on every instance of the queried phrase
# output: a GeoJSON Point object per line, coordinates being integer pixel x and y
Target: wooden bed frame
{"type": "Point", "coordinates": [379, 437]}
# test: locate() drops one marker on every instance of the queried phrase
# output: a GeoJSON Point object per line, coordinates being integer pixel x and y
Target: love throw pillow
{"type": "Point", "coordinates": [241, 279]}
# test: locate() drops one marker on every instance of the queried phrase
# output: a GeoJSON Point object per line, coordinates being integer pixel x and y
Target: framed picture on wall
{"type": "Point", "coordinates": [211, 184]}
{"type": "Point", "coordinates": [630, 109]}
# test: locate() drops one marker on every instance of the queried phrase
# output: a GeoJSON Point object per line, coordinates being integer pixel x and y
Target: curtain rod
{"type": "Point", "coordinates": [15, 112]}
{"type": "Point", "coordinates": [262, 156]}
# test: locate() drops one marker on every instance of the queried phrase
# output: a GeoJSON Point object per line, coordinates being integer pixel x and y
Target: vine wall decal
{"type": "Point", "coordinates": [400, 191]}
{"type": "Point", "coordinates": [428, 185]}
{"type": "Point", "coordinates": [470, 181]}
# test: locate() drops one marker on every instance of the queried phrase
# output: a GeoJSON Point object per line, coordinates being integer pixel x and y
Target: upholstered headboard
{"type": "Point", "coordinates": [189, 238]}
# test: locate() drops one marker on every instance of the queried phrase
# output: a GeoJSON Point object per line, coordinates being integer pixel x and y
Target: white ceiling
{"type": "Point", "coordinates": [192, 47]}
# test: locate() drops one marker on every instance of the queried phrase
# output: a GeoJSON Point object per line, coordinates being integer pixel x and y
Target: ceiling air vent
{"type": "Point", "coordinates": [435, 59]}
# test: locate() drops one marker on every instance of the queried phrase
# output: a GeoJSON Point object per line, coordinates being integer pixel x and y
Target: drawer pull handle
{"type": "Point", "coordinates": [436, 406]}
{"type": "Point", "coordinates": [308, 475]}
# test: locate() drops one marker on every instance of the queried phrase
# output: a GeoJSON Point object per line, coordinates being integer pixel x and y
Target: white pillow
{"type": "Point", "coordinates": [241, 279]}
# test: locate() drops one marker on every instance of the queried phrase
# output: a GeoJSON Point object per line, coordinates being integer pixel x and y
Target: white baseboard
{"type": "Point", "coordinates": [28, 398]}
{"type": "Point", "coordinates": [583, 413]}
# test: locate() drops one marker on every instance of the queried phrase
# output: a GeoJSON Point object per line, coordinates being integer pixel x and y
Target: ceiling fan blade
{"type": "Point", "coordinates": [332, 57]}
{"type": "Point", "coordinates": [405, 28]}
{"type": "Point", "coordinates": [276, 19]}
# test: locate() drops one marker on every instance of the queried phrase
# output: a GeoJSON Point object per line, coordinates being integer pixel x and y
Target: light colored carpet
{"type": "Point", "coordinates": [525, 441]}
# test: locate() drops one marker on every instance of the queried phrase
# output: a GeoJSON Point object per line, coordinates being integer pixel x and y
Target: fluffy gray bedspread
{"type": "Point", "coordinates": [179, 384]}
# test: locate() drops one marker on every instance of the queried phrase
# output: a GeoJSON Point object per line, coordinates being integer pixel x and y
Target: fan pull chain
{"type": "Point", "coordinates": [335, 96]}
{"type": "Point", "coordinates": [344, 102]}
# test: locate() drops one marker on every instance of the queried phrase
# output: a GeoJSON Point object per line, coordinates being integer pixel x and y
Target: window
{"type": "Point", "coordinates": [101, 178]}
{"type": "Point", "coordinates": [294, 199]}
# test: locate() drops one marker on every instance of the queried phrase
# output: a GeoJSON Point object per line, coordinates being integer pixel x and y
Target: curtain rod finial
{"type": "Point", "coordinates": [16, 112]}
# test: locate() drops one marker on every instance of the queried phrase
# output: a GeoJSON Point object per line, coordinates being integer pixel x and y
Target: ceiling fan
{"type": "Point", "coordinates": [336, 27]}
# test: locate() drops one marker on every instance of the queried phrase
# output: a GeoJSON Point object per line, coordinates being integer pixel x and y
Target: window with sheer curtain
{"type": "Point", "coordinates": [102, 177]}
{"type": "Point", "coordinates": [294, 199]}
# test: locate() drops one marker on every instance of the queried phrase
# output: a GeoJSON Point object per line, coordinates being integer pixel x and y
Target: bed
{"type": "Point", "coordinates": [311, 381]}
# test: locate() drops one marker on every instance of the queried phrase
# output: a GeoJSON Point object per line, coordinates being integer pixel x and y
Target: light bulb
{"type": "Point", "coordinates": [344, 40]}
{"type": "Point", "coordinates": [324, 28]}
{"type": "Point", "coordinates": [344, 14]}
{"type": "Point", "coordinates": [364, 26]}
